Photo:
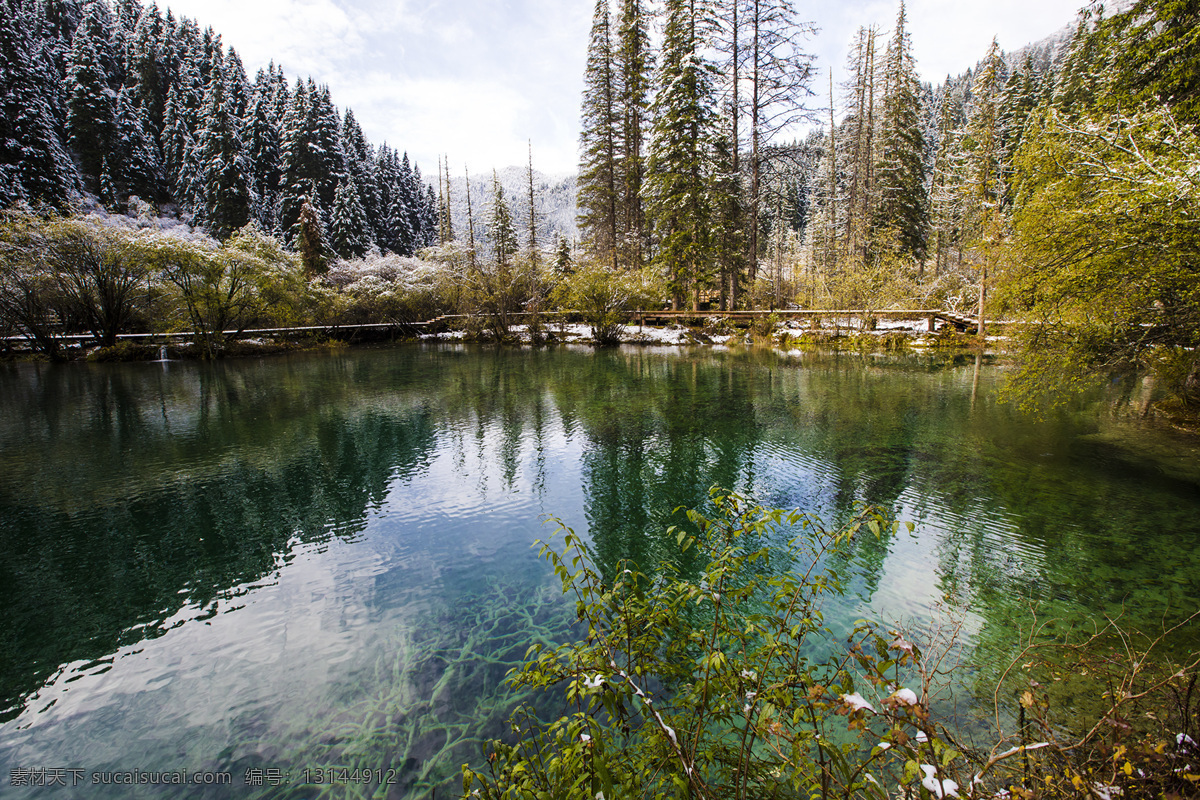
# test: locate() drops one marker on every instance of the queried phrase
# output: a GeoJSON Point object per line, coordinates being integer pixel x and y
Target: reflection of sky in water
{"type": "Point", "coordinates": [278, 670]}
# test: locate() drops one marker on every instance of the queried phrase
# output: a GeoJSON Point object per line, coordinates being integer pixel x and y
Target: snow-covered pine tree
{"type": "Point", "coordinates": [1022, 94]}
{"type": "Point", "coordinates": [91, 101]}
{"type": "Point", "coordinates": [1081, 78]}
{"type": "Point", "coordinates": [429, 217]}
{"type": "Point", "coordinates": [349, 228]}
{"type": "Point", "coordinates": [261, 139]}
{"type": "Point", "coordinates": [177, 144]}
{"type": "Point", "coordinates": [135, 162]}
{"type": "Point", "coordinates": [395, 233]}
{"type": "Point", "coordinates": [223, 198]}
{"type": "Point", "coordinates": [501, 230]}
{"type": "Point", "coordinates": [597, 193]}
{"type": "Point", "coordinates": [633, 70]}
{"type": "Point", "coordinates": [410, 192]}
{"type": "Point", "coordinates": [329, 156]}
{"type": "Point", "coordinates": [297, 167]}
{"type": "Point", "coordinates": [146, 75]}
{"type": "Point", "coordinates": [948, 175]}
{"type": "Point", "coordinates": [983, 221]}
{"type": "Point", "coordinates": [310, 238]}
{"type": "Point", "coordinates": [678, 182]}
{"type": "Point", "coordinates": [237, 87]}
{"type": "Point", "coordinates": [360, 164]}
{"type": "Point", "coordinates": [33, 164]}
{"type": "Point", "coordinates": [902, 216]}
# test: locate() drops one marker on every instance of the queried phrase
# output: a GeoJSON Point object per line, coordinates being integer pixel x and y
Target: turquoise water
{"type": "Point", "coordinates": [257, 568]}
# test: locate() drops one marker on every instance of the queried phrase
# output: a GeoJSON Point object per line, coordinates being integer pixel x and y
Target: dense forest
{"type": "Point", "coordinates": [125, 104]}
{"type": "Point", "coordinates": [1055, 184]}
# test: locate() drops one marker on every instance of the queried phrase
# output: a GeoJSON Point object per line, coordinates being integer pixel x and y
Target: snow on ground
{"type": "Point", "coordinates": [678, 335]}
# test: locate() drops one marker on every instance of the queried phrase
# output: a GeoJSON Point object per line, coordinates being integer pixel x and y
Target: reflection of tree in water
{"type": "Point", "coordinates": [191, 488]}
{"type": "Point", "coordinates": [660, 432]}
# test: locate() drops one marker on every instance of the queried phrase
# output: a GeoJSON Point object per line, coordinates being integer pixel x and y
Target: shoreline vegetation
{"type": "Point", "coordinates": [696, 677]}
{"type": "Point", "coordinates": [844, 332]}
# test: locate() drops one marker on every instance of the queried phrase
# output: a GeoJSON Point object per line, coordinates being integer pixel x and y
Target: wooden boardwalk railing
{"type": "Point", "coordinates": [931, 317]}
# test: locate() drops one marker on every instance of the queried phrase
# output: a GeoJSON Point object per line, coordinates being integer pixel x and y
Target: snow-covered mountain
{"type": "Point", "coordinates": [554, 203]}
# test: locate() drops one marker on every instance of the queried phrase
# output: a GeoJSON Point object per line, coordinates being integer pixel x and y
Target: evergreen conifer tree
{"type": "Point", "coordinates": [902, 217]}
{"type": "Point", "coordinates": [984, 187]}
{"type": "Point", "coordinates": [91, 101]}
{"type": "Point", "coordinates": [310, 238]}
{"type": "Point", "coordinates": [633, 66]}
{"type": "Point", "coordinates": [597, 194]}
{"type": "Point", "coordinates": [138, 170]}
{"type": "Point", "coordinates": [678, 179]}
{"type": "Point", "coordinates": [349, 228]}
{"type": "Point", "coordinates": [501, 230]}
{"type": "Point", "coordinates": [261, 140]}
{"type": "Point", "coordinates": [298, 169]}
{"type": "Point", "coordinates": [360, 165]}
{"type": "Point", "coordinates": [222, 195]}
{"type": "Point", "coordinates": [146, 74]}
{"type": "Point", "coordinates": [33, 164]}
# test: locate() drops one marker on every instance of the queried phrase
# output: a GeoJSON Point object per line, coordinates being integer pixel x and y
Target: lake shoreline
{"type": "Point", "coordinates": [785, 336]}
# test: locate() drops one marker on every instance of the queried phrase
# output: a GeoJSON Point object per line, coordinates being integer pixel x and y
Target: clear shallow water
{"type": "Point", "coordinates": [323, 560]}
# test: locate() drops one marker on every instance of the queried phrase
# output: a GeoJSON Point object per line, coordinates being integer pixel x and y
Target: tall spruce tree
{"type": "Point", "coordinates": [261, 139]}
{"type": "Point", "coordinates": [298, 169]}
{"type": "Point", "coordinates": [984, 187]}
{"type": "Point", "coordinates": [138, 170]}
{"type": "Point", "coordinates": [223, 195]}
{"type": "Point", "coordinates": [501, 230]}
{"type": "Point", "coordinates": [91, 101]}
{"type": "Point", "coordinates": [349, 228]}
{"type": "Point", "coordinates": [633, 70]}
{"type": "Point", "coordinates": [680, 148]}
{"type": "Point", "coordinates": [33, 164]}
{"type": "Point", "coordinates": [597, 194]}
{"type": "Point", "coordinates": [902, 218]}
{"type": "Point", "coordinates": [360, 165]}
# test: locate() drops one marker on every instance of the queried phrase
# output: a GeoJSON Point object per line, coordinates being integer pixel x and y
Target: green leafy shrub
{"type": "Point", "coordinates": [721, 680]}
{"type": "Point", "coordinates": [715, 676]}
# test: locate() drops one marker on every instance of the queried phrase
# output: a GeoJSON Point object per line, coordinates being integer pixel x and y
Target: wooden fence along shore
{"type": "Point", "coordinates": [932, 319]}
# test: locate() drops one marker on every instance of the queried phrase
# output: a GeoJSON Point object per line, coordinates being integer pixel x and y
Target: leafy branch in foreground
{"type": "Point", "coordinates": [719, 683]}
{"type": "Point", "coordinates": [722, 680]}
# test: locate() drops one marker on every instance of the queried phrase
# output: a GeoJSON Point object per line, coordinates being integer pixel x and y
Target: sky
{"type": "Point", "coordinates": [482, 81]}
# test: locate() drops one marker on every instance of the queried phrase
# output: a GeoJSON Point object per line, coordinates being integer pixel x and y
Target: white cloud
{"type": "Point", "coordinates": [478, 78]}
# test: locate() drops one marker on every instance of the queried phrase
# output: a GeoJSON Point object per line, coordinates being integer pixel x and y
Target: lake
{"type": "Point", "coordinates": [240, 573]}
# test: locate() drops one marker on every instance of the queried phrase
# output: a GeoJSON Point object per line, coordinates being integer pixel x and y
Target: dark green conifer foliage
{"type": "Point", "coordinates": [1159, 56]}
{"type": "Point", "coordinates": [91, 101]}
{"type": "Point", "coordinates": [310, 238]}
{"type": "Point", "coordinates": [33, 164]}
{"type": "Point", "coordinates": [360, 165]}
{"type": "Point", "coordinates": [177, 144]}
{"type": "Point", "coordinates": [237, 87]}
{"type": "Point", "coordinates": [261, 139]}
{"type": "Point", "coordinates": [349, 229]}
{"type": "Point", "coordinates": [678, 181]}
{"type": "Point", "coordinates": [146, 75]}
{"type": "Point", "coordinates": [223, 197]}
{"type": "Point", "coordinates": [902, 218]}
{"type": "Point", "coordinates": [135, 156]}
{"type": "Point", "coordinates": [500, 228]}
{"type": "Point", "coordinates": [298, 169]}
{"type": "Point", "coordinates": [1080, 79]}
{"type": "Point", "coordinates": [633, 66]}
{"type": "Point", "coordinates": [597, 195]}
